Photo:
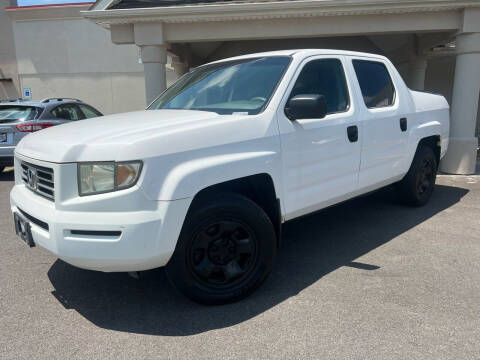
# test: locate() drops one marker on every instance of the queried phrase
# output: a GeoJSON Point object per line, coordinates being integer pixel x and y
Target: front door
{"type": "Point", "coordinates": [320, 160]}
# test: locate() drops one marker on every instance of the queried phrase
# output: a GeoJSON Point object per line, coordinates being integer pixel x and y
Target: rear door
{"type": "Point", "coordinates": [384, 123]}
{"type": "Point", "coordinates": [320, 161]}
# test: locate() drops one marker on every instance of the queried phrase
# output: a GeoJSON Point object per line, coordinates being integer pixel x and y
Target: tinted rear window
{"type": "Point", "coordinates": [18, 113]}
{"type": "Point", "coordinates": [375, 83]}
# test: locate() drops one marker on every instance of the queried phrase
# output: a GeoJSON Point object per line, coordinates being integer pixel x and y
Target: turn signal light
{"type": "Point", "coordinates": [33, 127]}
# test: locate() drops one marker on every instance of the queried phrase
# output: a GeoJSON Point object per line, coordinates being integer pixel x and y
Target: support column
{"type": "Point", "coordinates": [154, 59]}
{"type": "Point", "coordinates": [417, 69]}
{"type": "Point", "coordinates": [462, 149]}
{"type": "Point", "coordinates": [179, 67]}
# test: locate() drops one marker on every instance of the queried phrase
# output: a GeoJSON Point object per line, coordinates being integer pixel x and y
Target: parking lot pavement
{"type": "Point", "coordinates": [368, 279]}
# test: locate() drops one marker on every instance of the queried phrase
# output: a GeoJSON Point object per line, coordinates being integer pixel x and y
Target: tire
{"type": "Point", "coordinates": [416, 188]}
{"type": "Point", "coordinates": [225, 251]}
{"type": "Point", "coordinates": [2, 168]}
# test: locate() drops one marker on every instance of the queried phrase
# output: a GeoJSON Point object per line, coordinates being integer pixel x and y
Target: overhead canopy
{"type": "Point", "coordinates": [220, 20]}
{"type": "Point", "coordinates": [132, 4]}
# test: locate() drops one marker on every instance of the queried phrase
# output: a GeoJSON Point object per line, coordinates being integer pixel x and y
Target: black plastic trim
{"type": "Point", "coordinates": [96, 233]}
{"type": "Point", "coordinates": [6, 161]}
{"type": "Point", "coordinates": [34, 220]}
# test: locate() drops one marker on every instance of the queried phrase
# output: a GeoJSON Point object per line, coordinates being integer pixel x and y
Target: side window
{"type": "Point", "coordinates": [375, 82]}
{"type": "Point", "coordinates": [88, 111]}
{"type": "Point", "coordinates": [67, 112]}
{"type": "Point", "coordinates": [324, 77]}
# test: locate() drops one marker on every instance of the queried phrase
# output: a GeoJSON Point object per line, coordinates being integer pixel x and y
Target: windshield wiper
{"type": "Point", "coordinates": [194, 109]}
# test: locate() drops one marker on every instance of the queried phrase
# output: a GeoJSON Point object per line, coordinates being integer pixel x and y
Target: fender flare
{"type": "Point", "coordinates": [422, 131]}
{"type": "Point", "coordinates": [187, 178]}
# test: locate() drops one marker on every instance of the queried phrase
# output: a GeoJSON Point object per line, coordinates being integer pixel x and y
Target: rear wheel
{"type": "Point", "coordinates": [417, 186]}
{"type": "Point", "coordinates": [225, 251]}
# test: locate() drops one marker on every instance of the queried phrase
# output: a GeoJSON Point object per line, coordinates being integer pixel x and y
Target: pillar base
{"type": "Point", "coordinates": [461, 157]}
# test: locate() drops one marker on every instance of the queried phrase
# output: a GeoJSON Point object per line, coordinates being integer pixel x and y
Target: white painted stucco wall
{"type": "Point", "coordinates": [76, 58]}
{"type": "Point", "coordinates": [439, 76]}
{"type": "Point", "coordinates": [8, 63]}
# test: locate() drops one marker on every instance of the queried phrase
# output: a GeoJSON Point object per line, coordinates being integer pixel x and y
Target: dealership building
{"type": "Point", "coordinates": [119, 55]}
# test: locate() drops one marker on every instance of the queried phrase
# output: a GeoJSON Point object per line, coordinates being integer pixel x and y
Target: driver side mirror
{"type": "Point", "coordinates": [306, 106]}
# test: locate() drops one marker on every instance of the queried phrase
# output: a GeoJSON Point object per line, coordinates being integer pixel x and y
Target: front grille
{"type": "Point", "coordinates": [39, 179]}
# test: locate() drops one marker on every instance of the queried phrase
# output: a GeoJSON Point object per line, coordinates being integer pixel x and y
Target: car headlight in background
{"type": "Point", "coordinates": [102, 177]}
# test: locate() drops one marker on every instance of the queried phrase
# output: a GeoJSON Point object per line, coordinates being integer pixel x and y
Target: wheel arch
{"type": "Point", "coordinates": [433, 142]}
{"type": "Point", "coordinates": [258, 188]}
{"type": "Point", "coordinates": [426, 133]}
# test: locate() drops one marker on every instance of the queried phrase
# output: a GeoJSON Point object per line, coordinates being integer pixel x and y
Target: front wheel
{"type": "Point", "coordinates": [226, 249]}
{"type": "Point", "coordinates": [416, 187]}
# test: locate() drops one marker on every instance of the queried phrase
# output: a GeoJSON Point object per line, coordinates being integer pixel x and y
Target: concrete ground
{"type": "Point", "coordinates": [368, 279]}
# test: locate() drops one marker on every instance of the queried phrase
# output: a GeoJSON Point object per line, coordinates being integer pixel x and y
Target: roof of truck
{"type": "Point", "coordinates": [305, 53]}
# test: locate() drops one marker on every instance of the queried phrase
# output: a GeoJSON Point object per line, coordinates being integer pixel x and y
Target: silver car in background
{"type": "Point", "coordinates": [19, 118]}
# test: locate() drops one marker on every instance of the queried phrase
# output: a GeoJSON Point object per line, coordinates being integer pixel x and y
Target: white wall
{"type": "Point", "coordinates": [8, 63]}
{"type": "Point", "coordinates": [76, 58]}
{"type": "Point", "coordinates": [439, 76]}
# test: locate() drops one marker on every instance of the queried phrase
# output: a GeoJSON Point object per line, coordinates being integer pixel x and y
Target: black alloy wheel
{"type": "Point", "coordinates": [225, 251]}
{"type": "Point", "coordinates": [417, 186]}
{"type": "Point", "coordinates": [425, 177]}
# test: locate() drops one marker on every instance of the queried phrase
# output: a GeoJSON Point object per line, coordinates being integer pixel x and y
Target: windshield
{"type": "Point", "coordinates": [18, 113]}
{"type": "Point", "coordinates": [244, 86]}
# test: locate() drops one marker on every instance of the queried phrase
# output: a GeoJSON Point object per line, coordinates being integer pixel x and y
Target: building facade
{"type": "Point", "coordinates": [434, 43]}
{"type": "Point", "coordinates": [58, 53]}
{"type": "Point", "coordinates": [9, 83]}
{"type": "Point", "coordinates": [119, 55]}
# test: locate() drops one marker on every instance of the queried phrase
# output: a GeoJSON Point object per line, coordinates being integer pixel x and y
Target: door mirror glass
{"type": "Point", "coordinates": [306, 106]}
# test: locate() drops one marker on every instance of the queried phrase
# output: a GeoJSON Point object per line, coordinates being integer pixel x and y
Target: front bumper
{"type": "Point", "coordinates": [98, 238]}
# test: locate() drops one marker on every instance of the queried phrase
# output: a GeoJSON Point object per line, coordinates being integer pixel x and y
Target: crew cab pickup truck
{"type": "Point", "coordinates": [202, 180]}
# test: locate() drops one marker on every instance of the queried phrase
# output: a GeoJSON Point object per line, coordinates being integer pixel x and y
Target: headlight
{"type": "Point", "coordinates": [102, 177]}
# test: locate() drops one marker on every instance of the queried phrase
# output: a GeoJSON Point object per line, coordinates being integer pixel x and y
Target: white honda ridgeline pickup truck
{"type": "Point", "coordinates": [202, 180]}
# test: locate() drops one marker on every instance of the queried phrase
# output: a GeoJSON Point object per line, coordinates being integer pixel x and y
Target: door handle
{"type": "Point", "coordinates": [352, 132]}
{"type": "Point", "coordinates": [403, 124]}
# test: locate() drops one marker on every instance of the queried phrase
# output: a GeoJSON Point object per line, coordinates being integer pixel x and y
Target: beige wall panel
{"type": "Point", "coordinates": [76, 58]}
{"type": "Point", "coordinates": [439, 76]}
{"type": "Point", "coordinates": [109, 93]}
{"type": "Point", "coordinates": [70, 46]}
{"type": "Point", "coordinates": [8, 63]}
{"type": "Point", "coordinates": [128, 92]}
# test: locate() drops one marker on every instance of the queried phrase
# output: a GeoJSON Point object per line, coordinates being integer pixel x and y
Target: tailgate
{"type": "Point", "coordinates": [7, 135]}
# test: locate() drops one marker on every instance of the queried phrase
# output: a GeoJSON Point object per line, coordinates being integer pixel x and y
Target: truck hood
{"type": "Point", "coordinates": [122, 137]}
